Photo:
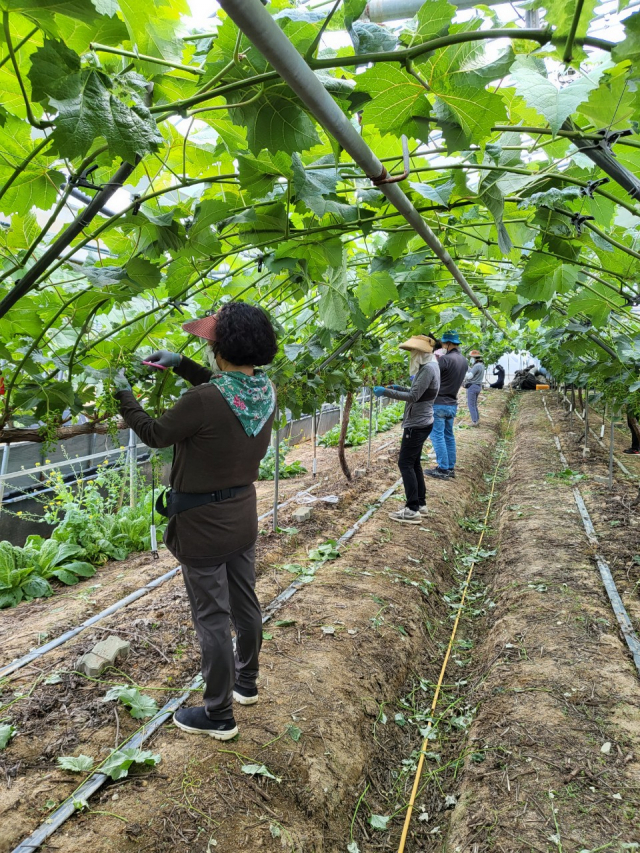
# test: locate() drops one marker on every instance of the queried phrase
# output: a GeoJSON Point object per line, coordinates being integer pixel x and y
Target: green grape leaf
{"type": "Point", "coordinates": [153, 27]}
{"type": "Point", "coordinates": [540, 93]}
{"type": "Point", "coordinates": [368, 37]}
{"type": "Point", "coordinates": [396, 99]}
{"type": "Point", "coordinates": [277, 122]}
{"type": "Point", "coordinates": [97, 112]}
{"type": "Point", "coordinates": [75, 763]}
{"type": "Point", "coordinates": [374, 291]}
{"type": "Point", "coordinates": [259, 770]}
{"type": "Point", "coordinates": [543, 276]}
{"type": "Point", "coordinates": [352, 11]}
{"type": "Point", "coordinates": [118, 764]}
{"type": "Point", "coordinates": [433, 19]}
{"type": "Point", "coordinates": [55, 72]}
{"type": "Point", "coordinates": [630, 47]}
{"type": "Point", "coordinates": [140, 705]}
{"type": "Point", "coordinates": [439, 193]}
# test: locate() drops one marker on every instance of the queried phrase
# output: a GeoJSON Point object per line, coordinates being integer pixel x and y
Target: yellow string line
{"type": "Point", "coordinates": [416, 781]}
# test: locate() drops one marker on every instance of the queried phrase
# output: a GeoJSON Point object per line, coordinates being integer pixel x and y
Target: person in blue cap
{"type": "Point", "coordinates": [453, 368]}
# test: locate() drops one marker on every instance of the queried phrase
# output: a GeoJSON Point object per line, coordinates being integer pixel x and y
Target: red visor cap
{"type": "Point", "coordinates": [203, 328]}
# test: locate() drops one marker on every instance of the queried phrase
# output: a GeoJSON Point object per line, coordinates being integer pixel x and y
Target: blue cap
{"type": "Point", "coordinates": [450, 338]}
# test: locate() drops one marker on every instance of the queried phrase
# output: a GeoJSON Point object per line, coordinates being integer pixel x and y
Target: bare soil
{"type": "Point", "coordinates": [327, 683]}
{"type": "Point", "coordinates": [535, 743]}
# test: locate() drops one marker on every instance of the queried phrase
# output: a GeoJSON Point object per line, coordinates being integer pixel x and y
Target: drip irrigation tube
{"type": "Point", "coordinates": [97, 779]}
{"type": "Point", "coordinates": [443, 669]}
{"type": "Point", "coordinates": [68, 635]}
{"type": "Point", "coordinates": [619, 609]}
{"type": "Point", "coordinates": [134, 596]}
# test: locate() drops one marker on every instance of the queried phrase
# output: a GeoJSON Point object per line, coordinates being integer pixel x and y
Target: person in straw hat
{"type": "Point", "coordinates": [417, 423]}
{"type": "Point", "coordinates": [473, 383]}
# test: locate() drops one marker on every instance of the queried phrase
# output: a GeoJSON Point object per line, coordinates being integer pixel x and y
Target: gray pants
{"type": "Point", "coordinates": [218, 594]}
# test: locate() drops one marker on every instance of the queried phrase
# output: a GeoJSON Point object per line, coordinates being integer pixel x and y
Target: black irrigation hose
{"type": "Point", "coordinates": [97, 779]}
{"type": "Point", "coordinates": [626, 626]}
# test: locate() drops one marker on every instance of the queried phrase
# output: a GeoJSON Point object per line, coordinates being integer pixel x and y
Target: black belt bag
{"type": "Point", "coordinates": [170, 503]}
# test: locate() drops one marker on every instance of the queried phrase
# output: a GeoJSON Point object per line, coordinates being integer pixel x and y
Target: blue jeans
{"type": "Point", "coordinates": [473, 392]}
{"type": "Point", "coordinates": [442, 437]}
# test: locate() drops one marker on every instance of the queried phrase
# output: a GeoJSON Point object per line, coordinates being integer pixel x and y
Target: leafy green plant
{"type": "Point", "coordinates": [140, 706]}
{"type": "Point", "coordinates": [328, 550]}
{"type": "Point", "coordinates": [286, 469]}
{"type": "Point", "coordinates": [7, 731]}
{"type": "Point", "coordinates": [118, 764]}
{"type": "Point", "coordinates": [75, 763]}
{"type": "Point", "coordinates": [25, 572]}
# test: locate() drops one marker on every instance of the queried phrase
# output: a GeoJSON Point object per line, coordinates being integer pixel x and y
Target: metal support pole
{"type": "Point", "coordinates": [153, 534]}
{"type": "Point", "coordinates": [4, 467]}
{"type": "Point", "coordinates": [604, 417]}
{"type": "Point", "coordinates": [370, 425]}
{"type": "Point", "coordinates": [276, 471]}
{"type": "Point", "coordinates": [611, 439]}
{"type": "Point", "coordinates": [132, 468]}
{"type": "Point", "coordinates": [314, 439]}
{"type": "Point", "coordinates": [585, 449]}
{"type": "Point", "coordinates": [92, 449]}
{"type": "Point", "coordinates": [255, 21]}
{"type": "Point", "coordinates": [341, 407]}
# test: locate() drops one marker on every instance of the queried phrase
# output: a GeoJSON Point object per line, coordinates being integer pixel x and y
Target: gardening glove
{"type": "Point", "coordinates": [163, 359]}
{"type": "Point", "coordinates": [379, 391]}
{"type": "Point", "coordinates": [120, 381]}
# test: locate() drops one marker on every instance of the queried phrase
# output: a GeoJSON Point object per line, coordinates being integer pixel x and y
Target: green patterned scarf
{"type": "Point", "coordinates": [252, 399]}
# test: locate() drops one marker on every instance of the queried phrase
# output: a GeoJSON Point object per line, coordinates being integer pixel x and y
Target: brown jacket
{"type": "Point", "coordinates": [211, 451]}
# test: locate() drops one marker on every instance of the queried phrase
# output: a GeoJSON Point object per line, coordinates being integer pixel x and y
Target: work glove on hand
{"type": "Point", "coordinates": [379, 391]}
{"type": "Point", "coordinates": [163, 359]}
{"type": "Point", "coordinates": [120, 381]}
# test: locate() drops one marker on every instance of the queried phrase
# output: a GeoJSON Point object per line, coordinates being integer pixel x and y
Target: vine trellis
{"type": "Point", "coordinates": [148, 171]}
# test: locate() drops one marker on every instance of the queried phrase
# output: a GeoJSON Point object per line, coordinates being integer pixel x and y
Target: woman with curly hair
{"type": "Point", "coordinates": [220, 430]}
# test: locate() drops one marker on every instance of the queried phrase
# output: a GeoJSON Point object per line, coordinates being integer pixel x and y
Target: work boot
{"type": "Point", "coordinates": [438, 473]}
{"type": "Point", "coordinates": [245, 695]}
{"type": "Point", "coordinates": [196, 721]}
{"type": "Point", "coordinates": [406, 516]}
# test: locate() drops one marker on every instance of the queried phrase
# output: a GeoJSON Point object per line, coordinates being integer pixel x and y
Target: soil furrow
{"type": "Point", "coordinates": [371, 603]}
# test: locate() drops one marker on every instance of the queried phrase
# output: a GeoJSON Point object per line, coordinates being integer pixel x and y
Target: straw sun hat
{"type": "Point", "coordinates": [420, 342]}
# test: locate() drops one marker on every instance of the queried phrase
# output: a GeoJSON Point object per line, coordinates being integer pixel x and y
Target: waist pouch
{"type": "Point", "coordinates": [170, 503]}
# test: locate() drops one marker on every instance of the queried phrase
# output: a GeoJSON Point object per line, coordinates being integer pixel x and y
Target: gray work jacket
{"type": "Point", "coordinates": [418, 411]}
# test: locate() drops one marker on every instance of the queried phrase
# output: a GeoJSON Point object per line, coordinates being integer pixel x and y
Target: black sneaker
{"type": "Point", "coordinates": [195, 720]}
{"type": "Point", "coordinates": [245, 695]}
{"type": "Point", "coordinates": [451, 473]}
{"type": "Point", "coordinates": [438, 473]}
{"type": "Point", "coordinates": [632, 452]}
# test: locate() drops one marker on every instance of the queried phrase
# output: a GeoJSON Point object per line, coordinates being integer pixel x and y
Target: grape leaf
{"type": "Point", "coordinates": [433, 18]}
{"type": "Point", "coordinates": [556, 105]}
{"type": "Point", "coordinates": [374, 291]}
{"type": "Point", "coordinates": [259, 770]}
{"type": "Point", "coordinates": [140, 705]}
{"type": "Point", "coordinates": [118, 764]}
{"type": "Point", "coordinates": [277, 122]}
{"type": "Point", "coordinates": [97, 112]}
{"type": "Point", "coordinates": [378, 821]}
{"type": "Point", "coordinates": [75, 763]}
{"type": "Point", "coordinates": [396, 98]}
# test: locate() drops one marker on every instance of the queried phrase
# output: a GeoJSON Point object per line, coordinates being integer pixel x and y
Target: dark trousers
{"type": "Point", "coordinates": [635, 444]}
{"type": "Point", "coordinates": [413, 439]}
{"type": "Point", "coordinates": [220, 594]}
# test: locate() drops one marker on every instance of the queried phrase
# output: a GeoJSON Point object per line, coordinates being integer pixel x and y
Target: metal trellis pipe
{"type": "Point", "coordinates": [3, 470]}
{"type": "Point", "coordinates": [256, 23]}
{"type": "Point", "coordinates": [276, 471]}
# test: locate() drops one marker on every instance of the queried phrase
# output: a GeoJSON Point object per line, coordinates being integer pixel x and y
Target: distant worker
{"type": "Point", "coordinates": [453, 368]}
{"type": "Point", "coordinates": [634, 429]}
{"type": "Point", "coordinates": [473, 383]}
{"type": "Point", "coordinates": [498, 371]}
{"type": "Point", "coordinates": [220, 430]}
{"type": "Point", "coordinates": [417, 423]}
